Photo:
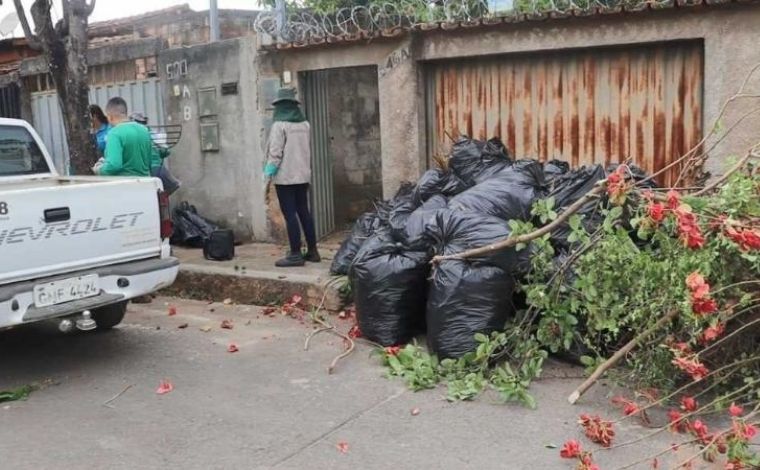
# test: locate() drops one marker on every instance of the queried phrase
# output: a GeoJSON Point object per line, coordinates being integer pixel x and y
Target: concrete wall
{"type": "Point", "coordinates": [729, 34]}
{"type": "Point", "coordinates": [354, 129]}
{"type": "Point", "coordinates": [225, 185]}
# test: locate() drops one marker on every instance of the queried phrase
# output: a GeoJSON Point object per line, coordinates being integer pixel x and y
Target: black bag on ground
{"type": "Point", "coordinates": [508, 194]}
{"type": "Point", "coordinates": [414, 232]}
{"type": "Point", "coordinates": [475, 160]}
{"type": "Point", "coordinates": [363, 228]}
{"type": "Point", "coordinates": [220, 246]}
{"type": "Point", "coordinates": [190, 229]}
{"type": "Point", "coordinates": [469, 296]}
{"type": "Point", "coordinates": [554, 169]}
{"type": "Point", "coordinates": [389, 285]}
{"type": "Point", "coordinates": [569, 188]}
{"type": "Point", "coordinates": [437, 181]}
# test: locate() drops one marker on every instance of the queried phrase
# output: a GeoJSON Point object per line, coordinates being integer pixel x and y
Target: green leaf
{"type": "Point", "coordinates": [481, 338]}
{"type": "Point", "coordinates": [21, 393]}
{"type": "Point", "coordinates": [587, 361]}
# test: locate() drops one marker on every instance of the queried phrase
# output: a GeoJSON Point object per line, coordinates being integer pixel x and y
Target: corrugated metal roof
{"type": "Point", "coordinates": [501, 21]}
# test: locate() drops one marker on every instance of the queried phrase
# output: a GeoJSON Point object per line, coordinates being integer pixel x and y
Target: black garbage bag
{"type": "Point", "coordinates": [508, 194]}
{"type": "Point", "coordinates": [469, 296]}
{"type": "Point", "coordinates": [414, 235]}
{"type": "Point", "coordinates": [389, 285]}
{"type": "Point", "coordinates": [554, 169]}
{"type": "Point", "coordinates": [568, 189]}
{"type": "Point", "coordinates": [493, 159]}
{"type": "Point", "coordinates": [475, 160]}
{"type": "Point", "coordinates": [364, 226]}
{"type": "Point", "coordinates": [437, 181]}
{"type": "Point", "coordinates": [190, 229]}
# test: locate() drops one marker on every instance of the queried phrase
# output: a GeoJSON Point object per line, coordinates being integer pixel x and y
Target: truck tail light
{"type": "Point", "coordinates": [167, 227]}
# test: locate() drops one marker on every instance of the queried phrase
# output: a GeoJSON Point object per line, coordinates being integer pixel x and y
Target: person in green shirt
{"type": "Point", "coordinates": [129, 148]}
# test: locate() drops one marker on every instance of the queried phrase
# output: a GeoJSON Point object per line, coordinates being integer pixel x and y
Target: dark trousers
{"type": "Point", "coordinates": [294, 203]}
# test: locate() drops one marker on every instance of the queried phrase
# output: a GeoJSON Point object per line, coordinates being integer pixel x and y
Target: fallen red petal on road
{"type": "Point", "coordinates": [164, 387]}
{"type": "Point", "coordinates": [232, 348]}
{"type": "Point", "coordinates": [172, 310]}
{"type": "Point", "coordinates": [415, 411]}
{"type": "Point", "coordinates": [342, 447]}
{"type": "Point", "coordinates": [227, 324]}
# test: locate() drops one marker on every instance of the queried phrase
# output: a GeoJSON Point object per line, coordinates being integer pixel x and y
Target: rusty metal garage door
{"type": "Point", "coordinates": [583, 106]}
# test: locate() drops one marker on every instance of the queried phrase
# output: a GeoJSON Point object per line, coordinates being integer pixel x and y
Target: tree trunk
{"type": "Point", "coordinates": [75, 103]}
{"type": "Point", "coordinates": [65, 47]}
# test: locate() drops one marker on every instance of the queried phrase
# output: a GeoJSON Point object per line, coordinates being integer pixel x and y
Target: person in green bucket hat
{"type": "Point", "coordinates": [289, 168]}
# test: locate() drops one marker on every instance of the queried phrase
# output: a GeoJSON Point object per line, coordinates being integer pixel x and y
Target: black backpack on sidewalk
{"type": "Point", "coordinates": [220, 246]}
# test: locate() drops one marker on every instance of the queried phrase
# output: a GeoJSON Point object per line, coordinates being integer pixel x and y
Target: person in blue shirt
{"type": "Point", "coordinates": [100, 127]}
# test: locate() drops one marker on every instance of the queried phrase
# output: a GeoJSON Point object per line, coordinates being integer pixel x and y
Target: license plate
{"type": "Point", "coordinates": [65, 290]}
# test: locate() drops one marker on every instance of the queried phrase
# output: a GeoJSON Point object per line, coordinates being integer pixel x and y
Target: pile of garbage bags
{"type": "Point", "coordinates": [387, 256]}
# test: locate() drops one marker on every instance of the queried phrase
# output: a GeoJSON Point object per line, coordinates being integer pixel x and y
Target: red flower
{"type": "Point", "coordinates": [392, 350]}
{"type": "Point", "coordinates": [688, 229]}
{"type": "Point", "coordinates": [682, 348]}
{"type": "Point", "coordinates": [734, 465]}
{"type": "Point", "coordinates": [746, 239]}
{"type": "Point", "coordinates": [750, 431]}
{"type": "Point", "coordinates": [697, 285]}
{"type": "Point", "coordinates": [693, 239]}
{"type": "Point", "coordinates": [704, 306]}
{"type": "Point", "coordinates": [677, 422]}
{"type": "Point", "coordinates": [689, 404]}
{"type": "Point", "coordinates": [735, 410]}
{"type": "Point", "coordinates": [656, 211]}
{"type": "Point", "coordinates": [674, 200]}
{"type": "Point", "coordinates": [693, 367]}
{"type": "Point", "coordinates": [700, 429]}
{"type": "Point", "coordinates": [164, 387]}
{"type": "Point", "coordinates": [355, 332]}
{"type": "Point", "coordinates": [342, 447]}
{"type": "Point", "coordinates": [570, 450]}
{"type": "Point", "coordinates": [233, 348]}
{"type": "Point", "coordinates": [712, 333]}
{"type": "Point", "coordinates": [597, 430]}
{"type": "Point", "coordinates": [617, 186]}
{"type": "Point", "coordinates": [629, 408]}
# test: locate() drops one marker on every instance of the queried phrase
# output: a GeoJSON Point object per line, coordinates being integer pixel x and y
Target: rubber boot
{"type": "Point", "coordinates": [290, 261]}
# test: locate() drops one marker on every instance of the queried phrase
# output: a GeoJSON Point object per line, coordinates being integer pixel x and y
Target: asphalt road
{"type": "Point", "coordinates": [269, 405]}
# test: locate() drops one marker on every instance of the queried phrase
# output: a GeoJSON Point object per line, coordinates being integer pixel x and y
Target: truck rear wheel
{"type": "Point", "coordinates": [109, 316]}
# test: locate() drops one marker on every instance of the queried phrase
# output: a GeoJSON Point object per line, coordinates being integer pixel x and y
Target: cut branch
{"type": "Point", "coordinates": [512, 241]}
{"type": "Point", "coordinates": [620, 354]}
{"type": "Point", "coordinates": [90, 8]}
{"type": "Point", "coordinates": [727, 174]}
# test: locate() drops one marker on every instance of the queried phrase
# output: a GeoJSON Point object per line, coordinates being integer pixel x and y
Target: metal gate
{"type": "Point", "coordinates": [10, 102]}
{"type": "Point", "coordinates": [584, 106]}
{"type": "Point", "coordinates": [141, 96]}
{"type": "Point", "coordinates": [314, 93]}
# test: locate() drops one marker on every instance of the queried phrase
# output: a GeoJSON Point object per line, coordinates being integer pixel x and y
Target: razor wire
{"type": "Point", "coordinates": [303, 25]}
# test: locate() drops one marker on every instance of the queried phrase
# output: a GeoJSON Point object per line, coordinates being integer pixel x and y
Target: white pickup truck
{"type": "Point", "coordinates": [75, 249]}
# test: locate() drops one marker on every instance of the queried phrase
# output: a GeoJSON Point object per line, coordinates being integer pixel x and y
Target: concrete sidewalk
{"type": "Point", "coordinates": [252, 278]}
{"type": "Point", "coordinates": [271, 405]}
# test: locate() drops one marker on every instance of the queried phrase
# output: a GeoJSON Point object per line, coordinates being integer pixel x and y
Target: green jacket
{"type": "Point", "coordinates": [129, 151]}
{"type": "Point", "coordinates": [157, 157]}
